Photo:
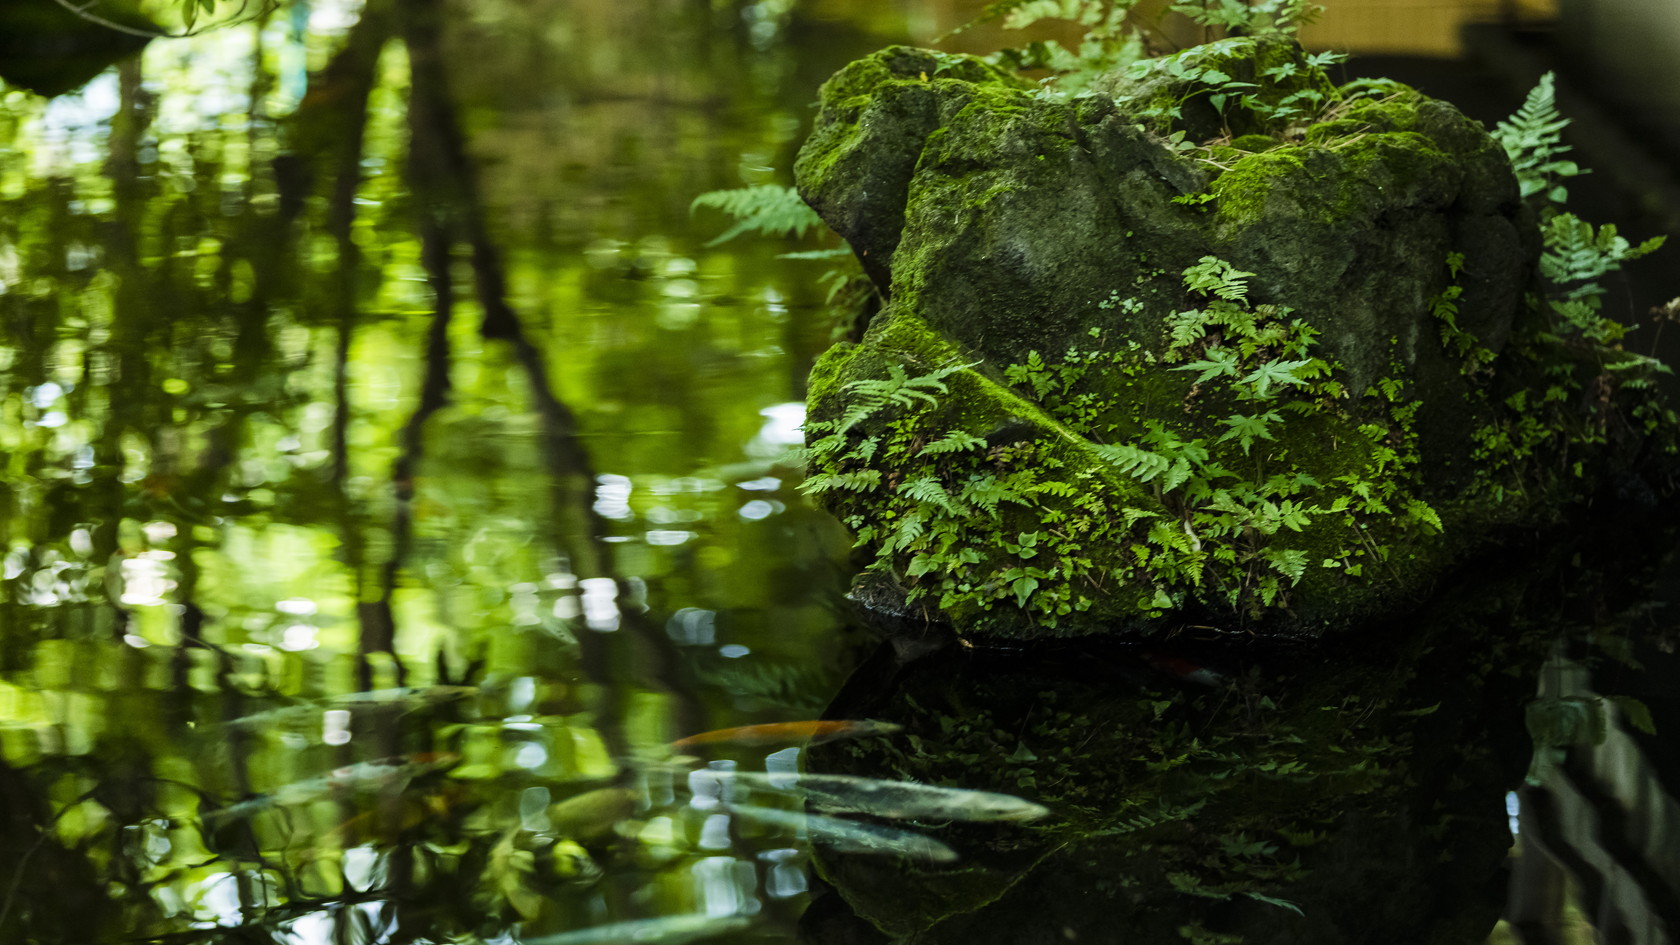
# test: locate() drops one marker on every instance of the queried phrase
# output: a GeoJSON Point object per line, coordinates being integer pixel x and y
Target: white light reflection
{"type": "Point", "coordinates": [733, 651]}
{"type": "Point", "coordinates": [315, 928]}
{"type": "Point", "coordinates": [299, 636]}
{"type": "Point", "coordinates": [533, 809]}
{"type": "Point", "coordinates": [530, 756]}
{"type": "Point", "coordinates": [709, 786]}
{"type": "Point", "coordinates": [714, 833]}
{"type": "Point", "coordinates": [218, 900]}
{"type": "Point", "coordinates": [783, 768]}
{"type": "Point", "coordinates": [520, 694]}
{"type": "Point", "coordinates": [364, 868]}
{"type": "Point", "coordinates": [1512, 806]}
{"type": "Point", "coordinates": [786, 877]}
{"type": "Point", "coordinates": [45, 395]}
{"type": "Point", "coordinates": [667, 536]}
{"type": "Point", "coordinates": [757, 510]}
{"type": "Point", "coordinates": [612, 496]}
{"type": "Point", "coordinates": [335, 727]}
{"type": "Point", "coordinates": [726, 886]}
{"type": "Point", "coordinates": [692, 626]}
{"type": "Point", "coordinates": [599, 612]}
{"type": "Point", "coordinates": [158, 532]}
{"type": "Point", "coordinates": [781, 430]}
{"type": "Point", "coordinates": [145, 579]}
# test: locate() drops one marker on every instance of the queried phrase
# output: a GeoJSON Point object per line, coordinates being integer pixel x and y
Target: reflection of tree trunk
{"type": "Point", "coordinates": [434, 394]}
{"type": "Point", "coordinates": [326, 137]}
{"type": "Point", "coordinates": [445, 186]}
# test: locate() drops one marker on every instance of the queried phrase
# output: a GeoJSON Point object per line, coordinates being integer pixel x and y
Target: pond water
{"type": "Point", "coordinates": [395, 473]}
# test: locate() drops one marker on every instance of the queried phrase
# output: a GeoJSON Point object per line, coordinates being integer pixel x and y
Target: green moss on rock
{"type": "Point", "coordinates": [1089, 403]}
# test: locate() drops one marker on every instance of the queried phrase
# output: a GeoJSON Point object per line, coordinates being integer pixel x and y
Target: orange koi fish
{"type": "Point", "coordinates": [773, 733]}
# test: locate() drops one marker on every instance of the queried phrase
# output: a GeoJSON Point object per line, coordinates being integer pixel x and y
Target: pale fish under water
{"type": "Point", "coordinates": [360, 778]}
{"type": "Point", "coordinates": [309, 713]}
{"type": "Point", "coordinates": [667, 930]}
{"type": "Point", "coordinates": [849, 836]}
{"type": "Point", "coordinates": [907, 800]}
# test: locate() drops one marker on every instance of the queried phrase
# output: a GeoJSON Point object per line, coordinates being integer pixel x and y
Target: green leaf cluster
{"type": "Point", "coordinates": [1054, 515]}
{"type": "Point", "coordinates": [1548, 434]}
{"type": "Point", "coordinates": [1251, 17]}
{"type": "Point", "coordinates": [1263, 105]}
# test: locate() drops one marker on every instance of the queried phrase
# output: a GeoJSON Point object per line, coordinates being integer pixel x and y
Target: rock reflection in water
{"type": "Point", "coordinates": [1334, 796]}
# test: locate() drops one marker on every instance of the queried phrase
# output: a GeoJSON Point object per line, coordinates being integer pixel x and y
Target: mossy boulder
{"type": "Point", "coordinates": [1225, 344]}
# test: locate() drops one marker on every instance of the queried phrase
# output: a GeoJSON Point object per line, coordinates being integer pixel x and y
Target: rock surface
{"type": "Point", "coordinates": [1223, 343]}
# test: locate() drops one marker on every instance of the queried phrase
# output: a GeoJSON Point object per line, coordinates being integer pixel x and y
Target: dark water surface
{"type": "Point", "coordinates": [390, 472]}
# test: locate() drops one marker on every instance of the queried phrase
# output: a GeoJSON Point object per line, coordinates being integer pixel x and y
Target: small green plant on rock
{"type": "Point", "coordinates": [957, 516]}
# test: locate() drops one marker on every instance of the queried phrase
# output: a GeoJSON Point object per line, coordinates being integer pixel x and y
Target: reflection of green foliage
{"type": "Point", "coordinates": [178, 545]}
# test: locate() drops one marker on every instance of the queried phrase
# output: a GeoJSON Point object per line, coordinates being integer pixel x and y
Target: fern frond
{"type": "Point", "coordinates": [1533, 140]}
{"type": "Point", "coordinates": [1291, 563]}
{"type": "Point", "coordinates": [1140, 464]}
{"type": "Point", "coordinates": [1186, 328]}
{"type": "Point", "coordinates": [1575, 252]}
{"type": "Point", "coordinates": [1215, 276]}
{"type": "Point", "coordinates": [929, 491]}
{"type": "Point", "coordinates": [988, 490]}
{"type": "Point", "coordinates": [956, 441]}
{"type": "Point", "coordinates": [767, 209]}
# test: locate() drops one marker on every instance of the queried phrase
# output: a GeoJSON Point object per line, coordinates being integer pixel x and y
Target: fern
{"type": "Point", "coordinates": [1216, 277]}
{"type": "Point", "coordinates": [928, 491]}
{"type": "Point", "coordinates": [768, 210]}
{"type": "Point", "coordinates": [1140, 464]}
{"type": "Point", "coordinates": [1186, 328]}
{"type": "Point", "coordinates": [1575, 252]}
{"type": "Point", "coordinates": [956, 441]}
{"type": "Point", "coordinates": [1533, 140]}
{"type": "Point", "coordinates": [986, 491]}
{"type": "Point", "coordinates": [1256, 18]}
{"type": "Point", "coordinates": [899, 388]}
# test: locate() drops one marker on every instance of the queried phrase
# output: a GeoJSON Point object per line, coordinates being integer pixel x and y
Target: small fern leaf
{"type": "Point", "coordinates": [928, 491]}
{"type": "Point", "coordinates": [1140, 464]}
{"type": "Point", "coordinates": [768, 209]}
{"type": "Point", "coordinates": [956, 441]}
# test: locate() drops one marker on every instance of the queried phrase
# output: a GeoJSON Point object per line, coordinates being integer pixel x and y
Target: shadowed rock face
{"type": "Point", "coordinates": [1247, 381]}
